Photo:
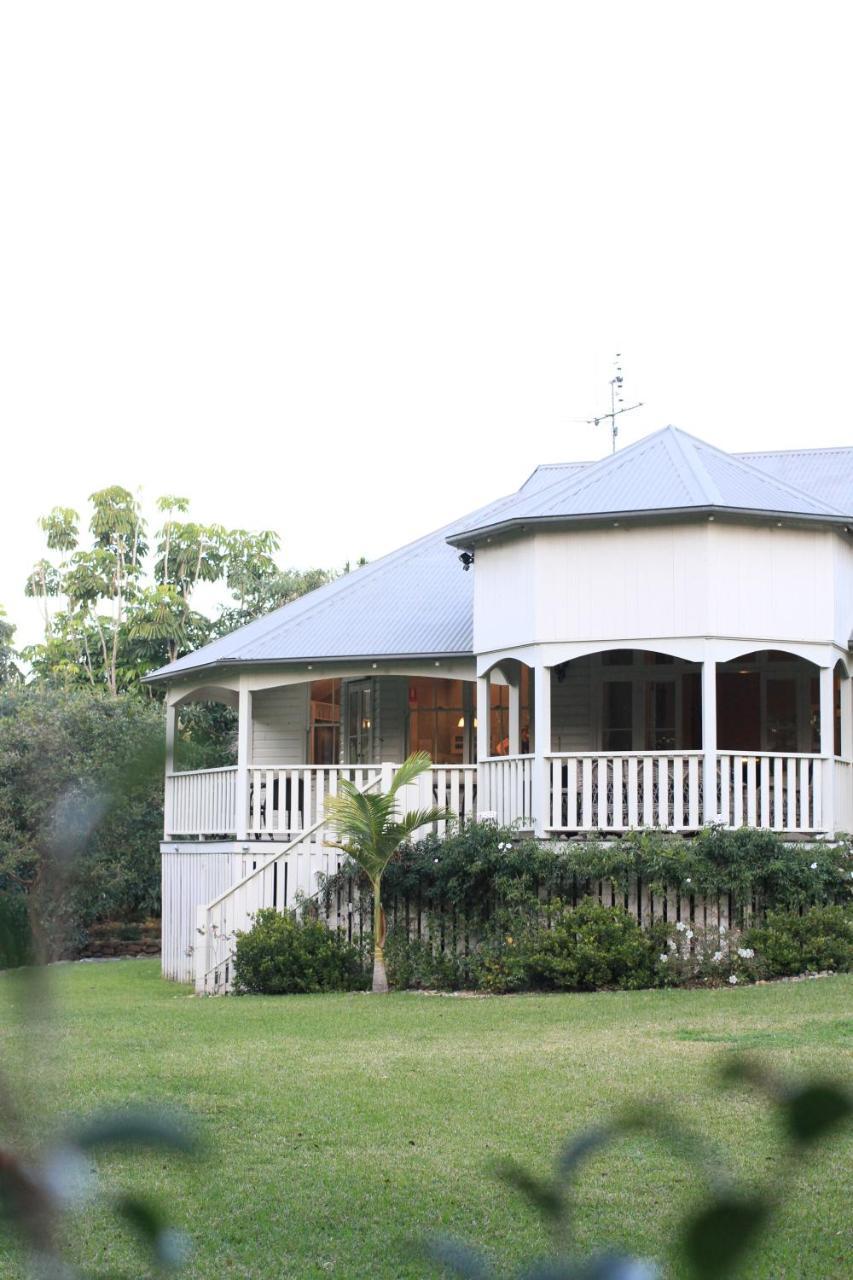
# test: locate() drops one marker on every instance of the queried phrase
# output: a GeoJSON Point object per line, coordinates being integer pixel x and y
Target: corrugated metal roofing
{"type": "Point", "coordinates": [418, 602]}
{"type": "Point", "coordinates": [667, 471]}
{"type": "Point", "coordinates": [826, 473]}
{"type": "Point", "coordinates": [823, 473]}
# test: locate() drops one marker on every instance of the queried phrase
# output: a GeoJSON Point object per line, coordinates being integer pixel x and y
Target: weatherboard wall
{"type": "Point", "coordinates": [707, 579]}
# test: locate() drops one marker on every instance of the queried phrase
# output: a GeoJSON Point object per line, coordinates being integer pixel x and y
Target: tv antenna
{"type": "Point", "coordinates": [616, 405]}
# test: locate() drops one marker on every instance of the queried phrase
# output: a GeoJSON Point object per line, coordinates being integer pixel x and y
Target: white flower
{"type": "Point", "coordinates": [664, 958]}
{"type": "Point", "coordinates": [501, 845]}
{"type": "Point", "coordinates": [814, 866]}
{"type": "Point", "coordinates": [681, 926]}
{"type": "Point", "coordinates": [689, 934]}
{"type": "Point", "coordinates": [507, 846]}
{"type": "Point", "coordinates": [688, 880]}
{"type": "Point", "coordinates": [717, 957]}
{"type": "Point", "coordinates": [745, 953]}
{"type": "Point", "coordinates": [671, 944]}
{"type": "Point", "coordinates": [732, 980]}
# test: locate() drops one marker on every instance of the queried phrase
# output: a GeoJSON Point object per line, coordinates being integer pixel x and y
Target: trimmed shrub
{"type": "Point", "coordinates": [593, 947]}
{"type": "Point", "coordinates": [283, 954]}
{"type": "Point", "coordinates": [819, 939]}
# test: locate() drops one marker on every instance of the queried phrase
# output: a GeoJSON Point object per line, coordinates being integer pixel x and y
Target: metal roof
{"type": "Point", "coordinates": [414, 602]}
{"type": "Point", "coordinates": [417, 602]}
{"type": "Point", "coordinates": [826, 473]}
{"type": "Point", "coordinates": [668, 471]}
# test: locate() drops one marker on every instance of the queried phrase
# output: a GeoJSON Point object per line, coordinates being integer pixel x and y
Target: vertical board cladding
{"type": "Point", "coordinates": [280, 725]}
{"type": "Point", "coordinates": [392, 702]}
{"type": "Point", "coordinates": [571, 707]}
{"type": "Point", "coordinates": [188, 881]}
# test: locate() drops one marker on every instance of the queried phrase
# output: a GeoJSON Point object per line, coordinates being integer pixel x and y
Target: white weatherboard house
{"type": "Point", "coordinates": [658, 639]}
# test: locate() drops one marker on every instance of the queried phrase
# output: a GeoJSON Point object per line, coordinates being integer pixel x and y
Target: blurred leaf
{"type": "Point", "coordinates": [551, 1269]}
{"type": "Point", "coordinates": [542, 1195]}
{"type": "Point", "coordinates": [814, 1110]}
{"type": "Point", "coordinates": [134, 1129]}
{"type": "Point", "coordinates": [717, 1235]}
{"type": "Point", "coordinates": [170, 1247]}
{"type": "Point", "coordinates": [581, 1147]}
{"type": "Point", "coordinates": [617, 1266]}
{"type": "Point", "coordinates": [460, 1258]}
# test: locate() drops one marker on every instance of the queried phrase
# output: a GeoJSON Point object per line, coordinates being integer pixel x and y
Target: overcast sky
{"type": "Point", "coordinates": [350, 270]}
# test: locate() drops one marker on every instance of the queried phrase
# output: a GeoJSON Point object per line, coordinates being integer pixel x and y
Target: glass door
{"type": "Point", "coordinates": [359, 704]}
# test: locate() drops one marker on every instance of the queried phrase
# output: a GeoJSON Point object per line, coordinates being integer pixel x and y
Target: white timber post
{"type": "Point", "coordinates": [483, 720]}
{"type": "Point", "coordinates": [515, 717]}
{"type": "Point", "coordinates": [709, 738]}
{"type": "Point", "coordinates": [541, 769]}
{"type": "Point", "coordinates": [827, 749]}
{"type": "Point", "coordinates": [169, 793]}
{"type": "Point", "coordinates": [847, 717]}
{"type": "Point", "coordinates": [244, 740]}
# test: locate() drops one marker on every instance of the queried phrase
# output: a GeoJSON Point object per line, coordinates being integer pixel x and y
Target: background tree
{"type": "Point", "coordinates": [369, 829]}
{"type": "Point", "coordinates": [10, 672]}
{"type": "Point", "coordinates": [114, 608]}
{"type": "Point", "coordinates": [81, 804]}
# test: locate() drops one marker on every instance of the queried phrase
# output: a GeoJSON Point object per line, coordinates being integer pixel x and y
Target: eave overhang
{"type": "Point", "coordinates": [470, 539]}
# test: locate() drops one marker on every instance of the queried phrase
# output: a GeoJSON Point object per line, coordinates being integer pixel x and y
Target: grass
{"type": "Point", "coordinates": [341, 1129]}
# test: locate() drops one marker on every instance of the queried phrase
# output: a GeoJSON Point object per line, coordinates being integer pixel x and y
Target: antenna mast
{"type": "Point", "coordinates": [615, 399]}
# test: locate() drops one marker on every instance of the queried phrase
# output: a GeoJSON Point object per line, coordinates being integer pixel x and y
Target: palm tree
{"type": "Point", "coordinates": [369, 828]}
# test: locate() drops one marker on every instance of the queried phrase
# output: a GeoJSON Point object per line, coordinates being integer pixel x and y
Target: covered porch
{"type": "Point", "coordinates": [629, 738]}
{"type": "Point", "coordinates": [607, 740]}
{"type": "Point", "coordinates": [296, 736]}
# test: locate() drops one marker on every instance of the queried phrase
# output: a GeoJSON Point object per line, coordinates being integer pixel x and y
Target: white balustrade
{"type": "Point", "coordinates": [285, 801]}
{"type": "Point", "coordinates": [765, 789]}
{"type": "Point", "coordinates": [843, 792]}
{"type": "Point", "coordinates": [451, 787]}
{"type": "Point", "coordinates": [507, 789]}
{"type": "Point", "coordinates": [621, 790]}
{"type": "Point", "coordinates": [201, 802]}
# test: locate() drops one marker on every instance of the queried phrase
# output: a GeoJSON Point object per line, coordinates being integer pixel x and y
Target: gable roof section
{"type": "Point", "coordinates": [669, 471]}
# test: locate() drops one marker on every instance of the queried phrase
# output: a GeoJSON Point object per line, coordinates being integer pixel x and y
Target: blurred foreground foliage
{"type": "Point", "coordinates": [716, 1237]}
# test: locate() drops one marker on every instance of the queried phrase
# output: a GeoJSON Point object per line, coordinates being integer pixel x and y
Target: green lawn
{"type": "Point", "coordinates": [340, 1129]}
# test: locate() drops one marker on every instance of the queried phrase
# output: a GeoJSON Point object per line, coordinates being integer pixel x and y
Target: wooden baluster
{"type": "Point", "coordinates": [765, 791]}
{"type": "Point", "coordinates": [586, 793]}
{"type": "Point", "coordinates": [693, 816]}
{"type": "Point", "coordinates": [663, 791]}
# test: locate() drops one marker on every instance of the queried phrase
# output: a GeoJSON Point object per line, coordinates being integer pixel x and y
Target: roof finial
{"type": "Point", "coordinates": [616, 398]}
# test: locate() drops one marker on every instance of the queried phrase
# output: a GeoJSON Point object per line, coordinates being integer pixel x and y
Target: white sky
{"type": "Point", "coordinates": [350, 270]}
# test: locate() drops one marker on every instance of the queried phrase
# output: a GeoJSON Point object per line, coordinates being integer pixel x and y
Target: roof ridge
{"type": "Point", "coordinates": [791, 489]}
{"type": "Point", "coordinates": [777, 453]}
{"type": "Point", "coordinates": [676, 447]}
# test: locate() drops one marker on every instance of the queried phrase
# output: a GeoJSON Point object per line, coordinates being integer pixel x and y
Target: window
{"type": "Point", "coordinates": [324, 722]}
{"type": "Point", "coordinates": [439, 714]}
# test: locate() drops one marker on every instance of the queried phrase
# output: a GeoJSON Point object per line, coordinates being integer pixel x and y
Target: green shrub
{"type": "Point", "coordinates": [283, 954]}
{"type": "Point", "coordinates": [81, 808]}
{"type": "Point", "coordinates": [492, 879]}
{"type": "Point", "coordinates": [590, 948]}
{"type": "Point", "coordinates": [819, 939]}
